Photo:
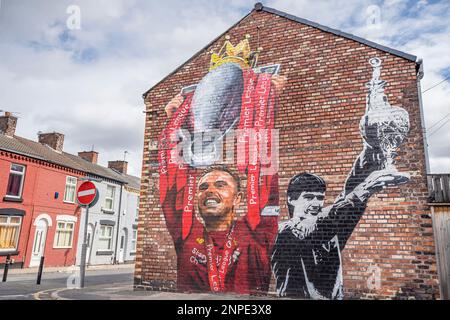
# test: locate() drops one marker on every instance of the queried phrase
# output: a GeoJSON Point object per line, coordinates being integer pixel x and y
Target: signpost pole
{"type": "Point", "coordinates": [84, 249]}
{"type": "Point", "coordinates": [86, 194]}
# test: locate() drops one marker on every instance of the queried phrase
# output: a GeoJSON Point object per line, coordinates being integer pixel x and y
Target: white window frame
{"type": "Point", "coordinates": [134, 234]}
{"type": "Point", "coordinates": [102, 237]}
{"type": "Point", "coordinates": [21, 181]}
{"type": "Point", "coordinates": [105, 208]}
{"type": "Point", "coordinates": [137, 209]}
{"type": "Point", "coordinates": [58, 229]}
{"type": "Point", "coordinates": [70, 184]}
{"type": "Point", "coordinates": [16, 225]}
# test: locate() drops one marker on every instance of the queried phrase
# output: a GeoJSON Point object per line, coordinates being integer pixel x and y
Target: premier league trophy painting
{"type": "Point", "coordinates": [217, 249]}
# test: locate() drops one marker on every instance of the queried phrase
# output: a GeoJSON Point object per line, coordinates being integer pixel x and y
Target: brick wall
{"type": "Point", "coordinates": [318, 119]}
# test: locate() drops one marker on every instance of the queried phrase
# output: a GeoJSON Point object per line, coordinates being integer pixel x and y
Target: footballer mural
{"type": "Point", "coordinates": [221, 249]}
{"type": "Point", "coordinates": [217, 249]}
{"type": "Point", "coordinates": [307, 259]}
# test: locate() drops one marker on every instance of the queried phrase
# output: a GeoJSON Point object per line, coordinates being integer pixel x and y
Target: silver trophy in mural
{"type": "Point", "coordinates": [217, 101]}
{"type": "Point", "coordinates": [383, 127]}
{"type": "Point", "coordinates": [216, 107]}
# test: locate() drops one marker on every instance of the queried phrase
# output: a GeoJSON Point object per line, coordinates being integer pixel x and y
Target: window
{"type": "Point", "coordinates": [9, 232]}
{"type": "Point", "coordinates": [109, 198]}
{"type": "Point", "coordinates": [69, 193]}
{"type": "Point", "coordinates": [137, 209]}
{"type": "Point", "coordinates": [64, 234]}
{"type": "Point", "coordinates": [134, 240]}
{"type": "Point", "coordinates": [105, 238]}
{"type": "Point", "coordinates": [15, 182]}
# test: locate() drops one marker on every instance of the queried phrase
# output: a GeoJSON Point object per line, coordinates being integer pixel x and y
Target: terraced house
{"type": "Point", "coordinates": [39, 215]}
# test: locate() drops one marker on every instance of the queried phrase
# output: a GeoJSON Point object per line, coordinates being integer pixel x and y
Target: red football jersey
{"type": "Point", "coordinates": [249, 270]}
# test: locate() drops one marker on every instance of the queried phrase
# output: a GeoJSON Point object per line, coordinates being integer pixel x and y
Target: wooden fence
{"type": "Point", "coordinates": [439, 188]}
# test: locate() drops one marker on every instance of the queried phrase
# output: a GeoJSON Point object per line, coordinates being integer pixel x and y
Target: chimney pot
{"type": "Point", "coordinates": [118, 165]}
{"type": "Point", "coordinates": [54, 140]}
{"type": "Point", "coordinates": [91, 156]}
{"type": "Point", "coordinates": [8, 124]}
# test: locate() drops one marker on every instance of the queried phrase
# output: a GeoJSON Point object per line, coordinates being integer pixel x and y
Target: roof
{"type": "Point", "coordinates": [132, 181]}
{"type": "Point", "coordinates": [339, 33]}
{"type": "Point", "coordinates": [43, 152]}
{"type": "Point", "coordinates": [260, 7]}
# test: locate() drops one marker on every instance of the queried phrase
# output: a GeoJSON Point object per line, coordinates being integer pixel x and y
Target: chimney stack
{"type": "Point", "coordinates": [8, 124]}
{"type": "Point", "coordinates": [91, 156]}
{"type": "Point", "coordinates": [54, 140]}
{"type": "Point", "coordinates": [118, 165]}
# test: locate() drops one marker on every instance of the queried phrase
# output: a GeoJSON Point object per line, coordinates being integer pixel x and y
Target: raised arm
{"type": "Point", "coordinates": [173, 216]}
{"type": "Point", "coordinates": [383, 129]}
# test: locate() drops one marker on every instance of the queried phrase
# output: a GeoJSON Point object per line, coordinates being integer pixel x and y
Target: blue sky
{"type": "Point", "coordinates": [87, 83]}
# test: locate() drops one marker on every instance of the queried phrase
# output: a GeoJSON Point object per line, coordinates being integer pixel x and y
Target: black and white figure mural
{"type": "Point", "coordinates": [306, 258]}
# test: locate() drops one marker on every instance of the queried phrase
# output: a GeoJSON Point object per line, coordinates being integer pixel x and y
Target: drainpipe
{"type": "Point", "coordinates": [30, 236]}
{"type": "Point", "coordinates": [116, 261]}
{"type": "Point", "coordinates": [25, 256]}
{"type": "Point", "coordinates": [420, 73]}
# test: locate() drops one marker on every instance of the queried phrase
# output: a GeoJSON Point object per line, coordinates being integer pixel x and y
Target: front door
{"type": "Point", "coordinates": [40, 237]}
{"type": "Point", "coordinates": [123, 241]}
{"type": "Point", "coordinates": [90, 232]}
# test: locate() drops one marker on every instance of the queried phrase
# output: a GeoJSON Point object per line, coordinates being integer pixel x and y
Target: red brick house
{"type": "Point", "coordinates": [39, 215]}
{"type": "Point", "coordinates": [38, 211]}
{"type": "Point", "coordinates": [344, 216]}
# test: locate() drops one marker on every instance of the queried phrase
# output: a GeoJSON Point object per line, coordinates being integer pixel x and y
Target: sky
{"type": "Point", "coordinates": [81, 67]}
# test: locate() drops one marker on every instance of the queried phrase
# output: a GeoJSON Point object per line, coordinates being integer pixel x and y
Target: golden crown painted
{"type": "Point", "coordinates": [240, 54]}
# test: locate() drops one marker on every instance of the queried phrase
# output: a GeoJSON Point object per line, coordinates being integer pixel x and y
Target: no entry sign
{"type": "Point", "coordinates": [86, 193]}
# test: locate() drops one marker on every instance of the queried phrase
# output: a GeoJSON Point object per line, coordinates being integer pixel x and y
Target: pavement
{"type": "Point", "coordinates": [126, 292]}
{"type": "Point", "coordinates": [21, 284]}
{"type": "Point", "coordinates": [111, 282]}
{"type": "Point", "coordinates": [69, 269]}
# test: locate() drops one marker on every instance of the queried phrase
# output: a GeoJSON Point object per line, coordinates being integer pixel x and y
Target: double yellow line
{"type": "Point", "coordinates": [53, 294]}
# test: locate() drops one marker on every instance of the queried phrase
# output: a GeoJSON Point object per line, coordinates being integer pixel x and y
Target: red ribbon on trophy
{"type": "Point", "coordinates": [216, 276]}
{"type": "Point", "coordinates": [173, 169]}
{"type": "Point", "coordinates": [256, 122]}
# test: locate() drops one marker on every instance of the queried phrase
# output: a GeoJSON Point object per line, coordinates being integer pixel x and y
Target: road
{"type": "Point", "coordinates": [24, 287]}
{"type": "Point", "coordinates": [104, 284]}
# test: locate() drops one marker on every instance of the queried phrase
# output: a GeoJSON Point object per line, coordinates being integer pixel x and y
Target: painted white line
{"type": "Point", "coordinates": [86, 192]}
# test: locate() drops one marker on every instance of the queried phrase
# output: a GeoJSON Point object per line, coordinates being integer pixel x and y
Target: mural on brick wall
{"type": "Point", "coordinates": [218, 249]}
{"type": "Point", "coordinates": [306, 260]}
{"type": "Point", "coordinates": [224, 219]}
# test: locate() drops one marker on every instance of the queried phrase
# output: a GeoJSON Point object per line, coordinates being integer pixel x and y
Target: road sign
{"type": "Point", "coordinates": [86, 193]}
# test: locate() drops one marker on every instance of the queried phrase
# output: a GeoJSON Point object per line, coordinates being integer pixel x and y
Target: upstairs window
{"type": "Point", "coordinates": [109, 198]}
{"type": "Point", "coordinates": [137, 209]}
{"type": "Point", "coordinates": [69, 193]}
{"type": "Point", "coordinates": [15, 182]}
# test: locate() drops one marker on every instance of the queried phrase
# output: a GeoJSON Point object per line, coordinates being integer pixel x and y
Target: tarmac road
{"type": "Point", "coordinates": [110, 283]}
{"type": "Point", "coordinates": [24, 287]}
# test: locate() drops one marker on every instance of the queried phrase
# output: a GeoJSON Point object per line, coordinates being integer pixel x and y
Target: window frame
{"type": "Point", "coordinates": [137, 209]}
{"type": "Point", "coordinates": [22, 181]}
{"type": "Point", "coordinates": [102, 238]}
{"type": "Point", "coordinates": [105, 208]}
{"type": "Point", "coordinates": [16, 225]}
{"type": "Point", "coordinates": [134, 236]}
{"type": "Point", "coordinates": [74, 190]}
{"type": "Point", "coordinates": [58, 229]}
